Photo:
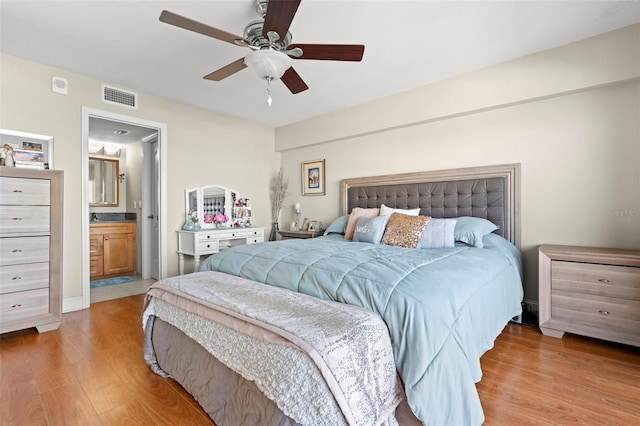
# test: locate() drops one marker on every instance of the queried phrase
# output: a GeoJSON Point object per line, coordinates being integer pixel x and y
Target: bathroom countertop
{"type": "Point", "coordinates": [111, 217]}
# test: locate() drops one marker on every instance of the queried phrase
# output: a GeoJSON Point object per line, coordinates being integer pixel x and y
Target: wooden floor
{"type": "Point", "coordinates": [91, 372]}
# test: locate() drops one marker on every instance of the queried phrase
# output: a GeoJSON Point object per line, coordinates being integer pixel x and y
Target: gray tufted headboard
{"type": "Point", "coordinates": [489, 192]}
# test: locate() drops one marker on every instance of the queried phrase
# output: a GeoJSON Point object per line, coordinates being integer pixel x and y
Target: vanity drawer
{"type": "Point", "coordinates": [23, 191]}
{"type": "Point", "coordinates": [31, 276]}
{"type": "Point", "coordinates": [208, 247]}
{"type": "Point", "coordinates": [255, 239]}
{"type": "Point", "coordinates": [596, 279]}
{"type": "Point", "coordinates": [258, 232]}
{"type": "Point", "coordinates": [23, 250]}
{"type": "Point", "coordinates": [230, 234]}
{"type": "Point", "coordinates": [15, 219]}
{"type": "Point", "coordinates": [24, 304]}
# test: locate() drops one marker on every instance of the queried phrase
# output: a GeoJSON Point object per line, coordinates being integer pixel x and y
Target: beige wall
{"type": "Point", "coordinates": [570, 116]}
{"type": "Point", "coordinates": [203, 148]}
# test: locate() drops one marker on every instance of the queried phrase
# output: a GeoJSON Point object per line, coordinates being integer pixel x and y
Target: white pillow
{"type": "Point", "coordinates": [439, 233]}
{"type": "Point", "coordinates": [388, 211]}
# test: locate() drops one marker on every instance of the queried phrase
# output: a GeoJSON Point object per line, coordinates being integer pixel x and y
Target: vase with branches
{"type": "Point", "coordinates": [278, 190]}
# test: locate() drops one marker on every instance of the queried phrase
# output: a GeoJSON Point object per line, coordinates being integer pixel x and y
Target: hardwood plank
{"type": "Point", "coordinates": [91, 371]}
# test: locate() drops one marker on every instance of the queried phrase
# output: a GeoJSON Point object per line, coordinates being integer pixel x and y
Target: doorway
{"type": "Point", "coordinates": [148, 197]}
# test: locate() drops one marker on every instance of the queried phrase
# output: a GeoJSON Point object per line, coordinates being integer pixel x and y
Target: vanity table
{"type": "Point", "coordinates": [201, 237]}
{"type": "Point", "coordinates": [210, 241]}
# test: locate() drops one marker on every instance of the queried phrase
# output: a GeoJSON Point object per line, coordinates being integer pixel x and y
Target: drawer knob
{"type": "Point", "coordinates": [17, 305]}
{"type": "Point", "coordinates": [208, 236]}
{"type": "Point", "coordinates": [16, 278]}
{"type": "Point", "coordinates": [16, 218]}
{"type": "Point", "coordinates": [16, 251]}
{"type": "Point", "coordinates": [603, 312]}
{"type": "Point", "coordinates": [17, 190]}
{"type": "Point", "coordinates": [233, 235]}
{"type": "Point", "coordinates": [604, 281]}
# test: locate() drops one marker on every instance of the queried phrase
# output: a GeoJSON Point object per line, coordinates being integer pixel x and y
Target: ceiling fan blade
{"type": "Point", "coordinates": [227, 70]}
{"type": "Point", "coordinates": [293, 81]}
{"type": "Point", "coordinates": [198, 27]}
{"type": "Point", "coordinates": [279, 15]}
{"type": "Point", "coordinates": [330, 52]}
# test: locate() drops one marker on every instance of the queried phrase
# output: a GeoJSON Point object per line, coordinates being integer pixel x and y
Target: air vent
{"type": "Point", "coordinates": [117, 96]}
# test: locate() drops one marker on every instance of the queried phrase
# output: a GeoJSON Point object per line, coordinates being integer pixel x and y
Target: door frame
{"type": "Point", "coordinates": [162, 201]}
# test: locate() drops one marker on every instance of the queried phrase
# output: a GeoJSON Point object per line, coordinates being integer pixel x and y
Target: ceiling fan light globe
{"type": "Point", "coordinates": [267, 63]}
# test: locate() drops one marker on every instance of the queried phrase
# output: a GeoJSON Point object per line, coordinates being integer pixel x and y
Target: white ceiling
{"type": "Point", "coordinates": [408, 44]}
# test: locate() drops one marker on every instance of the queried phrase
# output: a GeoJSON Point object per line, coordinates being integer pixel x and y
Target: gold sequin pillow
{"type": "Point", "coordinates": [404, 230]}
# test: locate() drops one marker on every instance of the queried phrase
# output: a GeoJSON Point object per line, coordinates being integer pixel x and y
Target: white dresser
{"type": "Point", "coordinates": [210, 241]}
{"type": "Point", "coordinates": [30, 249]}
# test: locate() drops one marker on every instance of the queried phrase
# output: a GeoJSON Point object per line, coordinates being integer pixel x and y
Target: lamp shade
{"type": "Point", "coordinates": [268, 63]}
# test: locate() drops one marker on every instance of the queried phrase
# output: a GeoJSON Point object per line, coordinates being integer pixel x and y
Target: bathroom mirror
{"type": "Point", "coordinates": [104, 186]}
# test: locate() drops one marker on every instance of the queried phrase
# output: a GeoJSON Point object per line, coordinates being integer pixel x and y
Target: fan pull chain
{"type": "Point", "coordinates": [269, 100]}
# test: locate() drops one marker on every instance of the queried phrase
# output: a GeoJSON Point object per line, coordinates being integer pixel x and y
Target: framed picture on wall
{"type": "Point", "coordinates": [313, 177]}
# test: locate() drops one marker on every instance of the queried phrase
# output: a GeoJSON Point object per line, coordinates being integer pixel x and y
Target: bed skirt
{"type": "Point", "coordinates": [225, 396]}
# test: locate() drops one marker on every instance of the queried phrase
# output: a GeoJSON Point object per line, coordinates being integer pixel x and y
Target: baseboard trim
{"type": "Point", "coordinates": [72, 304]}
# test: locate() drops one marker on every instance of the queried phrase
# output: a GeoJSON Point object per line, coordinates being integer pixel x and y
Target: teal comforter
{"type": "Point", "coordinates": [443, 307]}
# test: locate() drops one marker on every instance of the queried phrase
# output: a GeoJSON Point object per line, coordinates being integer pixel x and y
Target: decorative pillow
{"type": "Point", "coordinates": [370, 229]}
{"type": "Point", "coordinates": [404, 230]}
{"type": "Point", "coordinates": [388, 211]}
{"type": "Point", "coordinates": [353, 220]}
{"type": "Point", "coordinates": [338, 226]}
{"type": "Point", "coordinates": [439, 233]}
{"type": "Point", "coordinates": [471, 230]}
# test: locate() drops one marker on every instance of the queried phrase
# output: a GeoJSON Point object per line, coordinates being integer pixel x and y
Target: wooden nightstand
{"type": "Point", "coordinates": [286, 235]}
{"type": "Point", "coordinates": [590, 291]}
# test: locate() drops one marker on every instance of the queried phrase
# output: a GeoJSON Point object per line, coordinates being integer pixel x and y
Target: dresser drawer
{"type": "Point", "coordinates": [25, 304]}
{"type": "Point", "coordinates": [22, 250]}
{"type": "Point", "coordinates": [16, 278]}
{"type": "Point", "coordinates": [14, 219]}
{"type": "Point", "coordinates": [24, 191]}
{"type": "Point", "coordinates": [596, 279]}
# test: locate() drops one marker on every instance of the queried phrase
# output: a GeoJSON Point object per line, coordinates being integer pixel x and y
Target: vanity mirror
{"type": "Point", "coordinates": [104, 185]}
{"type": "Point", "coordinates": [208, 206]}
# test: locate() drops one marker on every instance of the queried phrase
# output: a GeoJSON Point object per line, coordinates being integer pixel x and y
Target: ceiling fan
{"type": "Point", "coordinates": [270, 42]}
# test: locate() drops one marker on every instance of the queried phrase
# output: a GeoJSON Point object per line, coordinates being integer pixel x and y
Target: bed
{"type": "Point", "coordinates": [442, 307]}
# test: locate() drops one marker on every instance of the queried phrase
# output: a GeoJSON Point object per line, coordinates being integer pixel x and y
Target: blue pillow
{"type": "Point", "coordinates": [439, 233]}
{"type": "Point", "coordinates": [338, 226]}
{"type": "Point", "coordinates": [370, 229]}
{"type": "Point", "coordinates": [471, 230]}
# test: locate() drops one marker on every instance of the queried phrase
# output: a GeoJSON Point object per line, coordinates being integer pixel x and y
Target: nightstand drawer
{"type": "Point", "coordinates": [16, 306]}
{"type": "Point", "coordinates": [596, 279]}
{"type": "Point", "coordinates": [597, 316]}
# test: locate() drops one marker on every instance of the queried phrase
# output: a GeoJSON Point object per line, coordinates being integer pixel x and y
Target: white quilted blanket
{"type": "Point", "coordinates": [322, 362]}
